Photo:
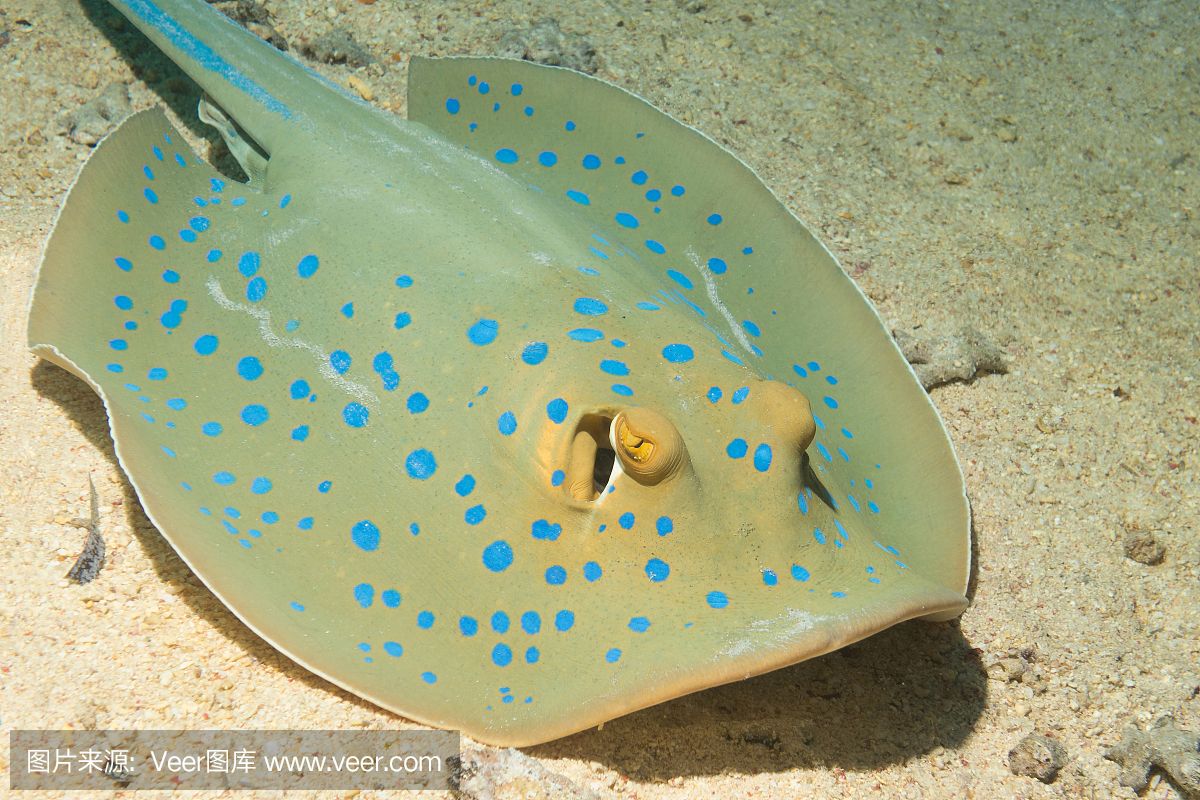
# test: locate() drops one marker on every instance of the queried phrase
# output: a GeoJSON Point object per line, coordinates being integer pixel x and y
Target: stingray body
{"type": "Point", "coordinates": [524, 413]}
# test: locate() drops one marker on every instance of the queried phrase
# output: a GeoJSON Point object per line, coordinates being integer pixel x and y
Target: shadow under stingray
{"type": "Point", "coordinates": [894, 696]}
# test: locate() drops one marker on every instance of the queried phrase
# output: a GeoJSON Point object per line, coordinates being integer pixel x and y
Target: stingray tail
{"type": "Point", "coordinates": [263, 90]}
{"type": "Point", "coordinates": [123, 248]}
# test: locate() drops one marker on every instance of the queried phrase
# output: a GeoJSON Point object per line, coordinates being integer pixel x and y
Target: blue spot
{"type": "Point", "coordinates": [517, 89]}
{"type": "Point", "coordinates": [150, 195]}
{"type": "Point", "coordinates": [188, 236]}
{"type": "Point", "coordinates": [556, 576]}
{"type": "Point", "coordinates": [501, 655]}
{"type": "Point", "coordinates": [627, 220]}
{"type": "Point", "coordinates": [300, 433]}
{"type": "Point", "coordinates": [248, 264]}
{"type": "Point", "coordinates": [547, 158]}
{"type": "Point", "coordinates": [639, 624]}
{"type": "Point", "coordinates": [829, 401]}
{"type": "Point", "coordinates": [639, 177]}
{"type": "Point", "coordinates": [714, 394]}
{"type": "Point", "coordinates": [307, 267]}
{"type": "Point", "coordinates": [115, 368]}
{"type": "Point", "coordinates": [740, 395]}
{"type": "Point", "coordinates": [532, 655]}
{"type": "Point", "coordinates": [714, 219]}
{"type": "Point", "coordinates": [717, 599]}
{"type": "Point", "coordinates": [570, 125]}
{"type": "Point", "coordinates": [118, 344]}
{"type": "Point", "coordinates": [123, 216]}
{"type": "Point", "coordinates": [364, 594]}
{"type": "Point", "coordinates": [483, 332]}
{"type": "Point", "coordinates": [498, 556]}
{"type": "Point", "coordinates": [390, 598]}
{"type": "Point", "coordinates": [655, 247]}
{"type": "Point", "coordinates": [484, 88]}
{"type": "Point", "coordinates": [657, 570]}
{"type": "Point", "coordinates": [556, 410]}
{"type": "Point", "coordinates": [535, 353]}
{"type": "Point", "coordinates": [546, 531]}
{"type": "Point", "coordinates": [296, 606]}
{"type": "Point", "coordinates": [799, 573]}
{"type": "Point", "coordinates": [680, 278]}
{"type": "Point", "coordinates": [769, 577]}
{"type": "Point", "coordinates": [393, 649]}
{"type": "Point", "coordinates": [211, 429]}
{"type": "Point", "coordinates": [157, 242]}
{"type": "Point", "coordinates": [417, 403]}
{"type": "Point", "coordinates": [403, 319]}
{"type": "Point", "coordinates": [579, 197]}
{"type": "Point", "coordinates": [340, 361]}
{"type": "Point", "coordinates": [452, 105]}
{"type": "Point", "coordinates": [531, 623]}
{"type": "Point", "coordinates": [260, 485]}
{"type": "Point", "coordinates": [557, 477]}
{"type": "Point", "coordinates": [404, 281]}
{"type": "Point", "coordinates": [299, 390]}
{"type": "Point", "coordinates": [614, 367]}
{"type": "Point", "coordinates": [677, 190]}
{"type": "Point", "coordinates": [475, 515]}
{"type": "Point", "coordinates": [654, 195]}
{"type": "Point", "coordinates": [420, 464]}
{"type": "Point", "coordinates": [678, 353]}
{"type": "Point", "coordinates": [250, 368]}
{"type": "Point", "coordinates": [157, 374]}
{"type": "Point", "coordinates": [285, 201]}
{"type": "Point", "coordinates": [626, 520]}
{"type": "Point", "coordinates": [506, 155]}
{"type": "Point", "coordinates": [355, 415]}
{"type": "Point", "coordinates": [500, 622]}
{"type": "Point", "coordinates": [255, 415]}
{"type": "Point", "coordinates": [348, 311]}
{"type": "Point", "coordinates": [751, 328]}
{"type": "Point", "coordinates": [613, 655]}
{"type": "Point", "coordinates": [122, 302]}
{"type": "Point", "coordinates": [586, 335]}
{"type": "Point", "coordinates": [465, 485]}
{"type": "Point", "coordinates": [762, 457]}
{"type": "Point", "coordinates": [223, 478]}
{"type": "Point", "coordinates": [469, 626]}
{"type": "Point", "coordinates": [177, 404]}
{"type": "Point", "coordinates": [256, 289]}
{"type": "Point", "coordinates": [664, 525]}
{"type": "Point", "coordinates": [874, 509]}
{"type": "Point", "coordinates": [564, 620]}
{"type": "Point", "coordinates": [737, 448]}
{"type": "Point", "coordinates": [592, 571]}
{"type": "Point", "coordinates": [364, 534]}
{"type": "Point", "coordinates": [591, 161]}
{"type": "Point", "coordinates": [717, 266]}
{"type": "Point", "coordinates": [425, 620]}
{"type": "Point", "coordinates": [507, 423]}
{"type": "Point", "coordinates": [819, 536]}
{"type": "Point", "coordinates": [429, 677]}
{"type": "Point", "coordinates": [622, 389]}
{"type": "Point", "coordinates": [213, 256]}
{"type": "Point", "coordinates": [831, 380]}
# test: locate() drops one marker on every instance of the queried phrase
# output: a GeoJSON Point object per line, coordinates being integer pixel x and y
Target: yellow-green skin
{"type": "Point", "coordinates": [398, 269]}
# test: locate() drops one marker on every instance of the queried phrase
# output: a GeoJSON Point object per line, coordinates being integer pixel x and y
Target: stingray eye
{"type": "Point", "coordinates": [648, 445]}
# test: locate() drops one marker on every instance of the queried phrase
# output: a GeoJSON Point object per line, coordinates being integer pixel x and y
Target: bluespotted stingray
{"type": "Point", "coordinates": [515, 416]}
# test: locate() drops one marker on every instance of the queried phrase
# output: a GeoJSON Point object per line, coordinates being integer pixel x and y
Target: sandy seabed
{"type": "Point", "coordinates": [1028, 169]}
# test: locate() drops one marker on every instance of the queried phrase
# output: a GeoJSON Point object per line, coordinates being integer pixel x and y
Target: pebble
{"type": "Point", "coordinates": [1038, 757]}
{"type": "Point", "coordinates": [93, 120]}
{"type": "Point", "coordinates": [1143, 547]}
{"type": "Point", "coordinates": [960, 356]}
{"type": "Point", "coordinates": [1171, 749]}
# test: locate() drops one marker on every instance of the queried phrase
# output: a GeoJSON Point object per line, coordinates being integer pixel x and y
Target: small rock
{"type": "Point", "coordinates": [490, 773]}
{"type": "Point", "coordinates": [91, 560]}
{"type": "Point", "coordinates": [254, 17]}
{"type": "Point", "coordinates": [962, 356]}
{"type": "Point", "coordinates": [1174, 751]}
{"type": "Point", "coordinates": [1143, 547]}
{"type": "Point", "coordinates": [93, 120]}
{"type": "Point", "coordinates": [337, 47]}
{"type": "Point", "coordinates": [545, 43]}
{"type": "Point", "coordinates": [1037, 757]}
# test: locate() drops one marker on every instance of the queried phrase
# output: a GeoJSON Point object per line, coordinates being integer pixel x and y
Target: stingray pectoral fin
{"type": "Point", "coordinates": [717, 242]}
